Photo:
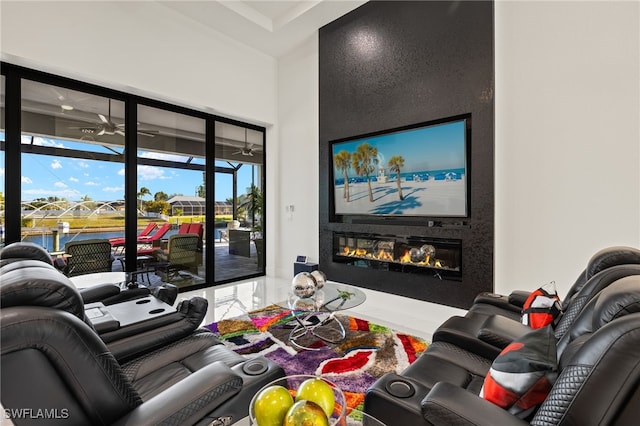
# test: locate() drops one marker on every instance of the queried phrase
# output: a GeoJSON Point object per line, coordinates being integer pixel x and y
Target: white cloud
{"type": "Point", "coordinates": [113, 188]}
{"type": "Point", "coordinates": [60, 185]}
{"type": "Point", "coordinates": [2, 171]}
{"type": "Point", "coordinates": [150, 173]}
{"type": "Point", "coordinates": [25, 179]}
{"type": "Point", "coordinates": [83, 164]}
{"type": "Point", "coordinates": [121, 172]}
{"type": "Point", "coordinates": [55, 164]}
{"type": "Point", "coordinates": [92, 183]}
{"type": "Point", "coordinates": [74, 179]}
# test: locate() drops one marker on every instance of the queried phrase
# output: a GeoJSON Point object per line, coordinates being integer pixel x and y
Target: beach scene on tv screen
{"type": "Point", "coordinates": [415, 172]}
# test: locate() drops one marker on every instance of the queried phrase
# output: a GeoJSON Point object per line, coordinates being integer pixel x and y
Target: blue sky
{"type": "Point", "coordinates": [72, 179]}
{"type": "Point", "coordinates": [429, 148]}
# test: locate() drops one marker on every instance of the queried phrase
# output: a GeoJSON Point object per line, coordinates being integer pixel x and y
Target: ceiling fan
{"type": "Point", "coordinates": [247, 150]}
{"type": "Point", "coordinates": [108, 127]}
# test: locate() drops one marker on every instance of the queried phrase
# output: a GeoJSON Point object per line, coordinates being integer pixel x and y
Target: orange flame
{"type": "Point", "coordinates": [405, 258]}
{"type": "Point", "coordinates": [384, 255]}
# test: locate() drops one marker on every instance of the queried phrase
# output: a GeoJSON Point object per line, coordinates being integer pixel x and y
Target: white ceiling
{"type": "Point", "coordinates": [272, 27]}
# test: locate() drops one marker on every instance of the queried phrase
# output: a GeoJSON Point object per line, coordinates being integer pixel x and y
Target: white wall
{"type": "Point", "coordinates": [567, 137]}
{"type": "Point", "coordinates": [298, 156]}
{"type": "Point", "coordinates": [142, 47]}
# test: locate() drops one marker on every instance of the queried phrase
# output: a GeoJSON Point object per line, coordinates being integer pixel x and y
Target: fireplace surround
{"type": "Point", "coordinates": [436, 61]}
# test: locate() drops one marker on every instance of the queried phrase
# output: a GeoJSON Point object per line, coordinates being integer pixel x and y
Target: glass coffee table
{"type": "Point", "coordinates": [315, 316]}
{"type": "Point", "coordinates": [99, 278]}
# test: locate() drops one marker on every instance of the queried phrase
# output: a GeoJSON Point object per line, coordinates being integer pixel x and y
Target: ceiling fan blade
{"type": "Point", "coordinates": [146, 133]}
{"type": "Point", "coordinates": [101, 132]}
{"type": "Point", "coordinates": [119, 132]}
{"type": "Point", "coordinates": [103, 118]}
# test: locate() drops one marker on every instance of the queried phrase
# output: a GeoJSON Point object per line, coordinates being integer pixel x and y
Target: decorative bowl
{"type": "Point", "coordinates": [291, 383]}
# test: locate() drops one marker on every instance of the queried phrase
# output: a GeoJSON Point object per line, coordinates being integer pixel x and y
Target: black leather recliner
{"type": "Point", "coordinates": [441, 387]}
{"type": "Point", "coordinates": [510, 306]}
{"type": "Point", "coordinates": [487, 335]}
{"type": "Point", "coordinates": [597, 386]}
{"type": "Point", "coordinates": [53, 361]}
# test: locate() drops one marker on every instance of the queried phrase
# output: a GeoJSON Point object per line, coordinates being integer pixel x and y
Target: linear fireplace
{"type": "Point", "coordinates": [440, 258]}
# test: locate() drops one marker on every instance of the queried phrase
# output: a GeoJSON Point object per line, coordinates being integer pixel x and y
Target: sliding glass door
{"type": "Point", "coordinates": [171, 194]}
{"type": "Point", "coordinates": [82, 162]}
{"type": "Point", "coordinates": [239, 191]}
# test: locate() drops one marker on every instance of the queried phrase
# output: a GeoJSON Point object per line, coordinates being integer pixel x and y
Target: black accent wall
{"type": "Point", "coordinates": [389, 64]}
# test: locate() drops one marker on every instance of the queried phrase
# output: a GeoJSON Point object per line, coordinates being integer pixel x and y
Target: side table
{"type": "Point", "coordinates": [144, 265]}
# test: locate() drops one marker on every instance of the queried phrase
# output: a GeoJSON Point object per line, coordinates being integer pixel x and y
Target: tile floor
{"type": "Point", "coordinates": [400, 313]}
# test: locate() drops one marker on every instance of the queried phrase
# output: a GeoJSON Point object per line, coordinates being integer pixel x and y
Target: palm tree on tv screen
{"type": "Point", "coordinates": [364, 162]}
{"type": "Point", "coordinates": [343, 163]}
{"type": "Point", "coordinates": [395, 164]}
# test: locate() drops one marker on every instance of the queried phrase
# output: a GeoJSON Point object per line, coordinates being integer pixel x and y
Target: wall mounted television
{"type": "Point", "coordinates": [419, 170]}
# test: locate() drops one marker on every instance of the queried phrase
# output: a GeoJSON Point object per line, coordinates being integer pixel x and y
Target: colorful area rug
{"type": "Point", "coordinates": [369, 350]}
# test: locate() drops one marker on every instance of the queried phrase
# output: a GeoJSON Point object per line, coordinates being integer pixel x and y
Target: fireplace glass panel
{"type": "Point", "coordinates": [437, 257]}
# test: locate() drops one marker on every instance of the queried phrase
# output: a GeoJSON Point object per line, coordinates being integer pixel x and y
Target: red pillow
{"type": "Point", "coordinates": [542, 307]}
{"type": "Point", "coordinates": [522, 375]}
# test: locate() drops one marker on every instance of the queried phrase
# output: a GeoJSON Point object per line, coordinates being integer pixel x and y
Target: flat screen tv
{"type": "Point", "coordinates": [418, 170]}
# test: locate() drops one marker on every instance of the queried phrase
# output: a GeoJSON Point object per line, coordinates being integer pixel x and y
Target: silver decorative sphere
{"type": "Point", "coordinates": [428, 250]}
{"type": "Point", "coordinates": [320, 278]}
{"type": "Point", "coordinates": [303, 285]}
{"type": "Point", "coordinates": [416, 255]}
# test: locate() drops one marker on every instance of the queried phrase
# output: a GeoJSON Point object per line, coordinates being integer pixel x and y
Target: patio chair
{"type": "Point", "coordinates": [148, 241]}
{"type": "Point", "coordinates": [181, 254]}
{"type": "Point", "coordinates": [87, 256]}
{"type": "Point", "coordinates": [119, 241]}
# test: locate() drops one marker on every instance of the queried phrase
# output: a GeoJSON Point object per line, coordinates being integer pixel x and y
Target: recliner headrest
{"type": "Point", "coordinates": [25, 250]}
{"type": "Point", "coordinates": [32, 283]}
{"type": "Point", "coordinates": [590, 290]}
{"type": "Point", "coordinates": [617, 299]}
{"type": "Point", "coordinates": [611, 256]}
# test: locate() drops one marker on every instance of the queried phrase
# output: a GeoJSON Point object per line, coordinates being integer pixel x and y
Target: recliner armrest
{"type": "Point", "coordinates": [463, 332]}
{"type": "Point", "coordinates": [500, 331]}
{"type": "Point", "coordinates": [499, 300]}
{"type": "Point", "coordinates": [99, 292]}
{"type": "Point", "coordinates": [129, 342]}
{"type": "Point", "coordinates": [448, 404]}
{"type": "Point", "coordinates": [189, 400]}
{"type": "Point", "coordinates": [518, 297]}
